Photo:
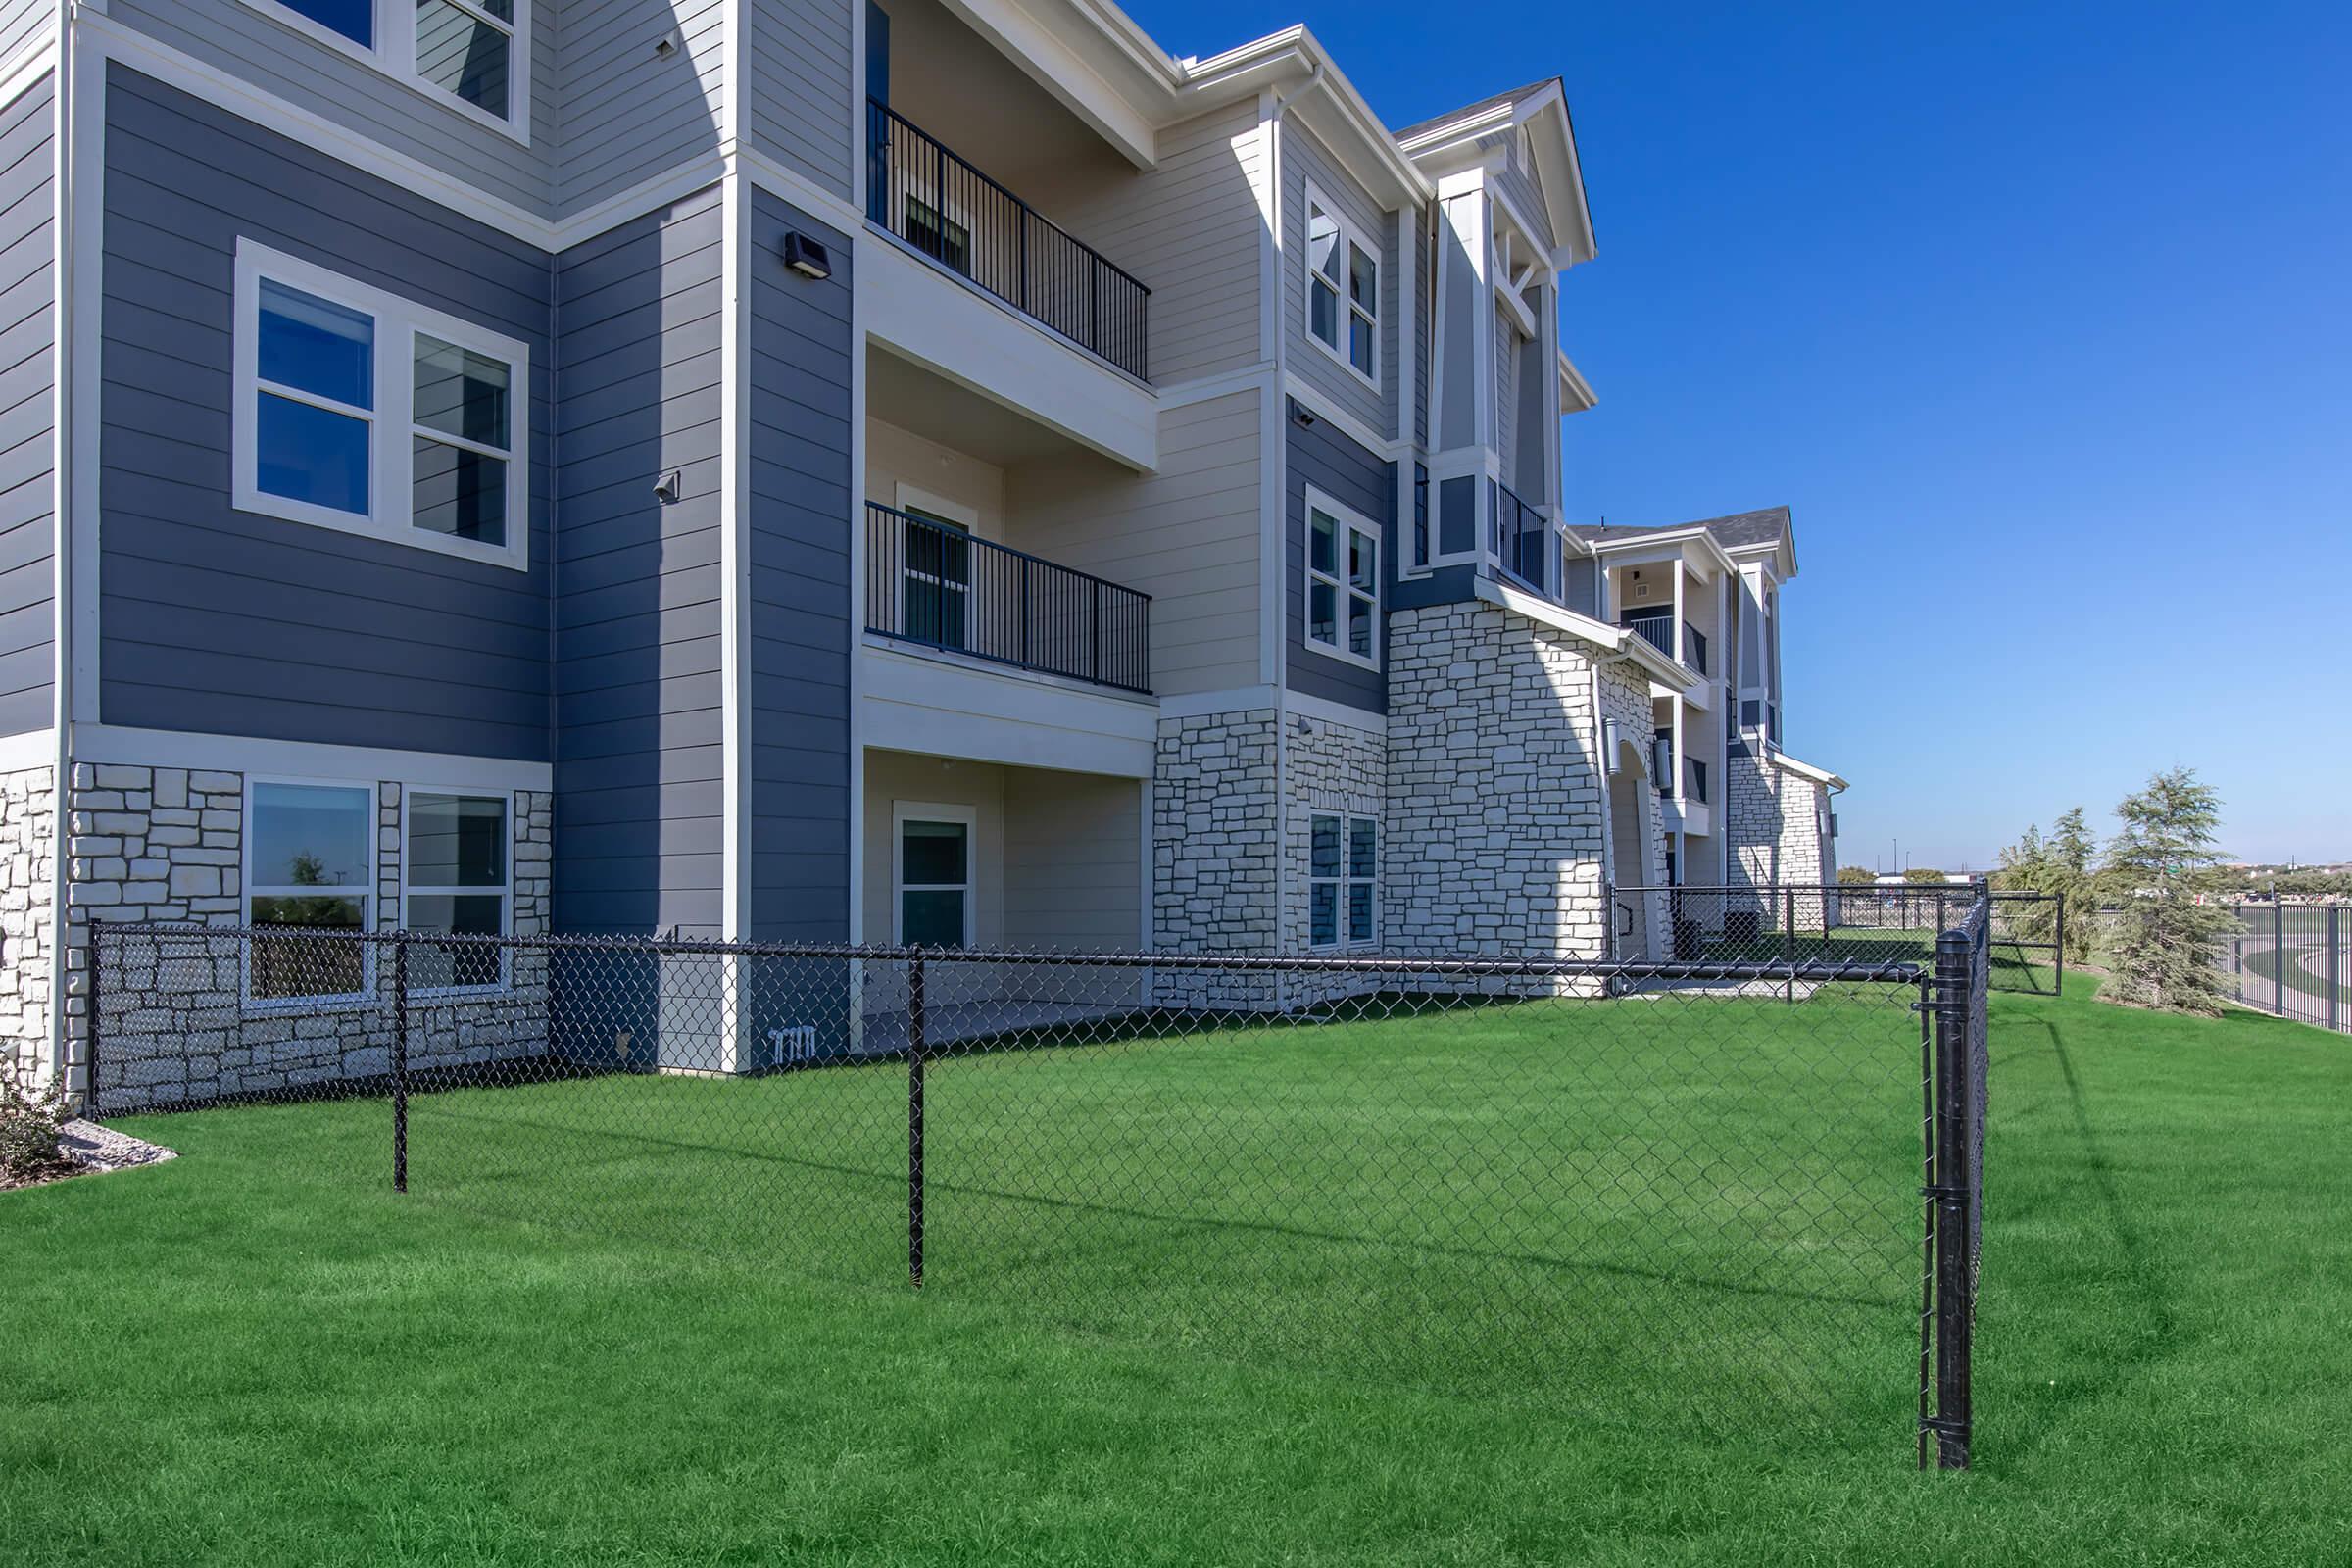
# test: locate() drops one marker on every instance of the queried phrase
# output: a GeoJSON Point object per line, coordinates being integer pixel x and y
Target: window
{"type": "Point", "coordinates": [471, 54]}
{"type": "Point", "coordinates": [1342, 288]}
{"type": "Point", "coordinates": [353, 19]}
{"type": "Point", "coordinates": [457, 878]}
{"type": "Point", "coordinates": [1342, 876]}
{"type": "Point", "coordinates": [933, 875]}
{"type": "Point", "coordinates": [935, 573]}
{"type": "Point", "coordinates": [465, 47]}
{"type": "Point", "coordinates": [1342, 582]}
{"type": "Point", "coordinates": [939, 237]}
{"type": "Point", "coordinates": [310, 868]}
{"type": "Point", "coordinates": [365, 412]}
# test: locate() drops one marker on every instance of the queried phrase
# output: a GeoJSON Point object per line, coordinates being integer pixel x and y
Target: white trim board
{"type": "Point", "coordinates": [237, 754]}
{"type": "Point", "coordinates": [34, 748]}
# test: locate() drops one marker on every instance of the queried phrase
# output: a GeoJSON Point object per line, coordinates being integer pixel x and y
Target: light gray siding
{"type": "Point", "coordinates": [639, 807]}
{"type": "Point", "coordinates": [234, 623]}
{"type": "Point", "coordinates": [1359, 479]}
{"type": "Point", "coordinates": [28, 413]}
{"type": "Point", "coordinates": [1305, 159]}
{"type": "Point", "coordinates": [1520, 188]}
{"type": "Point", "coordinates": [252, 45]}
{"type": "Point", "coordinates": [19, 19]}
{"type": "Point", "coordinates": [796, 106]}
{"type": "Point", "coordinates": [1192, 232]}
{"type": "Point", "coordinates": [628, 114]}
{"type": "Point", "coordinates": [798, 585]}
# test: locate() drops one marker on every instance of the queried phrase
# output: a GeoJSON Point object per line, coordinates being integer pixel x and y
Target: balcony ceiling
{"type": "Point", "coordinates": [901, 393]}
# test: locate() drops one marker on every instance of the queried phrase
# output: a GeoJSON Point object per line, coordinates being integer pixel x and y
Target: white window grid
{"type": "Point", "coordinates": [1345, 884]}
{"type": "Point", "coordinates": [394, 52]}
{"type": "Point", "coordinates": [1350, 527]}
{"type": "Point", "coordinates": [504, 890]}
{"type": "Point", "coordinates": [393, 430]}
{"type": "Point", "coordinates": [1350, 242]}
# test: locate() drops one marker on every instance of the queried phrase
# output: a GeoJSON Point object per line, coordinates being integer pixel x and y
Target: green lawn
{"type": "Point", "coordinates": [256, 1354]}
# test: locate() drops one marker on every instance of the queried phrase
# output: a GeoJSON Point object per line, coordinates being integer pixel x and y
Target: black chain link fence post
{"type": "Point", "coordinates": [2278, 957]}
{"type": "Point", "coordinates": [1788, 939]}
{"type": "Point", "coordinates": [400, 1065]}
{"type": "Point", "coordinates": [914, 1123]}
{"type": "Point", "coordinates": [2061, 991]}
{"type": "Point", "coordinates": [97, 994]}
{"type": "Point", "coordinates": [1949, 1194]}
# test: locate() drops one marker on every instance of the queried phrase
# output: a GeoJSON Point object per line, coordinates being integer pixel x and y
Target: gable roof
{"type": "Point", "coordinates": [1767, 527]}
{"type": "Point", "coordinates": [1468, 111]}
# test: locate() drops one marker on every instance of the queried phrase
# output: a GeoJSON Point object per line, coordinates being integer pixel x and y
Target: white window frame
{"type": "Point", "coordinates": [248, 891]}
{"type": "Point", "coordinates": [394, 52]}
{"type": "Point", "coordinates": [399, 322]}
{"type": "Point", "coordinates": [1344, 882]}
{"type": "Point", "coordinates": [505, 890]}
{"type": "Point", "coordinates": [903, 812]}
{"type": "Point", "coordinates": [1349, 234]}
{"type": "Point", "coordinates": [1349, 519]}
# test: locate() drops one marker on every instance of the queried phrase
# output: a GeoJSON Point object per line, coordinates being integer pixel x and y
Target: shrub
{"type": "Point", "coordinates": [30, 1123]}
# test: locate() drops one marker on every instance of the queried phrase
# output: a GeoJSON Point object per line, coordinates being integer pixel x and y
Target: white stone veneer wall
{"type": "Point", "coordinates": [1494, 828]}
{"type": "Point", "coordinates": [1216, 826]}
{"type": "Point", "coordinates": [1773, 818]}
{"type": "Point", "coordinates": [27, 903]}
{"type": "Point", "coordinates": [164, 846]}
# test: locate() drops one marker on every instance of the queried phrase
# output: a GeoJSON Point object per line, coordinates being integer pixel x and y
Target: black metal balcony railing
{"type": "Point", "coordinates": [931, 583]}
{"type": "Point", "coordinates": [1522, 540]}
{"type": "Point", "coordinates": [1654, 627]}
{"type": "Point", "coordinates": [968, 224]}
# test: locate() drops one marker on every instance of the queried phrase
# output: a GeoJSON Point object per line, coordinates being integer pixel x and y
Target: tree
{"type": "Point", "coordinates": [1854, 876]}
{"type": "Point", "coordinates": [2164, 949]}
{"type": "Point", "coordinates": [2073, 853]}
{"type": "Point", "coordinates": [1921, 873]}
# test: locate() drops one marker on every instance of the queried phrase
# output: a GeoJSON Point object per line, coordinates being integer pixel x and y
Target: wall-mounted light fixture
{"type": "Point", "coordinates": [807, 258]}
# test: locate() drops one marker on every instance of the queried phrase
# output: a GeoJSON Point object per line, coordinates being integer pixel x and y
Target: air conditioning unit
{"type": "Point", "coordinates": [793, 1045]}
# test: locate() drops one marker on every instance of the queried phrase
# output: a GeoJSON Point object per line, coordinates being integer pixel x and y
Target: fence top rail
{"type": "Point", "coordinates": [961, 537]}
{"type": "Point", "coordinates": [1826, 969]}
{"type": "Point", "coordinates": [992, 183]}
{"type": "Point", "coordinates": [1954, 890]}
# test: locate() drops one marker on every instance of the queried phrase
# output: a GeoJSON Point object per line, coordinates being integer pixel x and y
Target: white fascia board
{"type": "Point", "coordinates": [241, 754]}
{"type": "Point", "coordinates": [1044, 53]}
{"type": "Point", "coordinates": [1819, 775]}
{"type": "Point", "coordinates": [1627, 547]}
{"type": "Point", "coordinates": [1339, 116]}
{"type": "Point", "coordinates": [942, 706]}
{"type": "Point", "coordinates": [1780, 555]}
{"type": "Point", "coordinates": [947, 325]}
{"type": "Point", "coordinates": [1611, 639]}
{"type": "Point", "coordinates": [1576, 393]}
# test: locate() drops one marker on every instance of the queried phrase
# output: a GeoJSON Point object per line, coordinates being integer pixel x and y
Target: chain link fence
{"type": "Point", "coordinates": [1661, 1191]}
{"type": "Point", "coordinates": [1794, 924]}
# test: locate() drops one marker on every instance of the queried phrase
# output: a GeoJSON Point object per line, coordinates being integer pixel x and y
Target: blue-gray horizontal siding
{"type": "Point", "coordinates": [1320, 456]}
{"type": "Point", "coordinates": [798, 585]}
{"type": "Point", "coordinates": [254, 46]}
{"type": "Point", "coordinates": [235, 624]}
{"type": "Point", "coordinates": [28, 413]}
{"type": "Point", "coordinates": [639, 765]}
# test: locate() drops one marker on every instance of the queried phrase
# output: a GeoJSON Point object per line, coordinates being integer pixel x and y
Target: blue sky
{"type": "Point", "coordinates": [2038, 316]}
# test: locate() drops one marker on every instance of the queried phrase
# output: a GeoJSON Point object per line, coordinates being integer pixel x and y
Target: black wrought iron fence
{"type": "Point", "coordinates": [943, 206]}
{"type": "Point", "coordinates": [1650, 1189]}
{"type": "Point", "coordinates": [930, 583]}
{"type": "Point", "coordinates": [2291, 959]}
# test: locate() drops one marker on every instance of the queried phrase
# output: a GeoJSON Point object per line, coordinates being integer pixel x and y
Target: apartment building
{"type": "Point", "coordinates": [939, 472]}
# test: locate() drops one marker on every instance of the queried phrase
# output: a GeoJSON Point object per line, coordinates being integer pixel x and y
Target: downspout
{"type": "Point", "coordinates": [62, 133]}
{"type": "Point", "coordinates": [1314, 79]}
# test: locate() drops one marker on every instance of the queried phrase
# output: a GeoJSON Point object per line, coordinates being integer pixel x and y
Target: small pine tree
{"type": "Point", "coordinates": [2073, 852]}
{"type": "Point", "coordinates": [2026, 867]}
{"type": "Point", "coordinates": [2164, 947]}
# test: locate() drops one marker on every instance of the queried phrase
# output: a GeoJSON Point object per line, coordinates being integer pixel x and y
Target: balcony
{"type": "Point", "coordinates": [1656, 629]}
{"type": "Point", "coordinates": [934, 585]}
{"type": "Point", "coordinates": [969, 225]}
{"type": "Point", "coordinates": [1523, 542]}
